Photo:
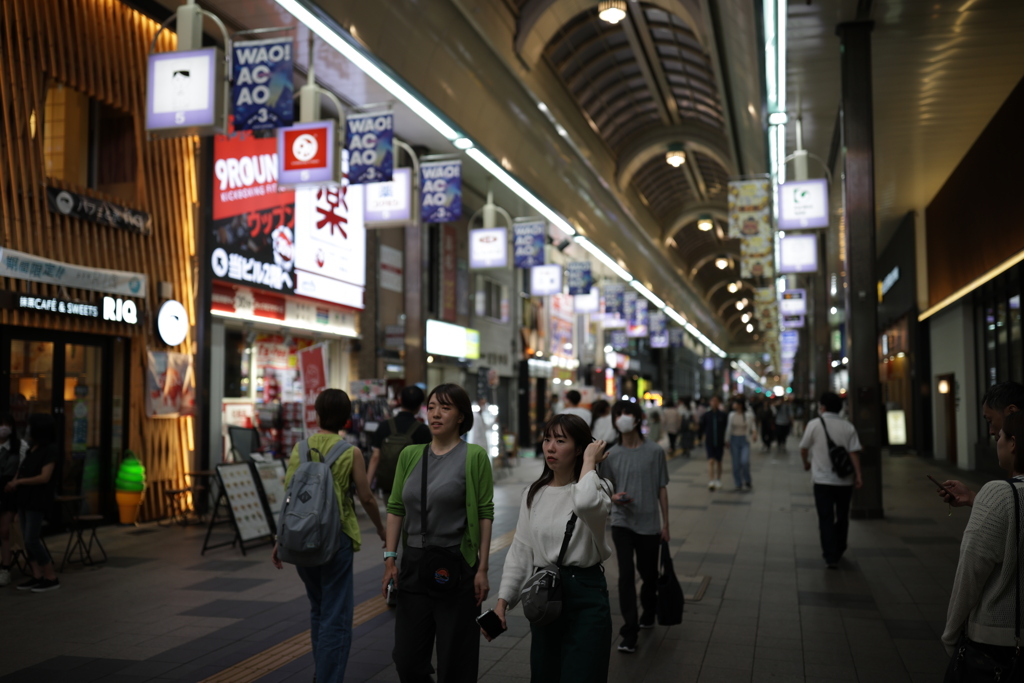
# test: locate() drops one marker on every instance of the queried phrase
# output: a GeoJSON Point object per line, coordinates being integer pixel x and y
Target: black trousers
{"type": "Point", "coordinates": [833, 503]}
{"type": "Point", "coordinates": [575, 647]}
{"type": "Point", "coordinates": [420, 619]}
{"type": "Point", "coordinates": [645, 547]}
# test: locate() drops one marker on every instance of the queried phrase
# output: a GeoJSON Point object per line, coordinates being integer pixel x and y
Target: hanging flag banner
{"type": "Point", "coordinates": [658, 330]}
{"type": "Point", "coordinates": [370, 140]}
{"type": "Point", "coordinates": [750, 222]}
{"type": "Point", "coordinates": [529, 238]}
{"type": "Point", "coordinates": [306, 154]}
{"type": "Point", "coordinates": [637, 318]}
{"type": "Point", "coordinates": [488, 248]}
{"type": "Point", "coordinates": [313, 369]}
{"type": "Point", "coordinates": [618, 340]}
{"type": "Point", "coordinates": [580, 277]}
{"type": "Point", "coordinates": [262, 91]}
{"type": "Point", "coordinates": [676, 337]}
{"type": "Point", "coordinates": [614, 299]}
{"type": "Point", "coordinates": [588, 303]}
{"type": "Point", "coordinates": [546, 280]}
{"type": "Point", "coordinates": [441, 191]}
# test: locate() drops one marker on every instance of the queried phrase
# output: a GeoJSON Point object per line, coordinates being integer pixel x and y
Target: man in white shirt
{"type": "Point", "coordinates": [573, 398]}
{"type": "Point", "coordinates": [832, 493]}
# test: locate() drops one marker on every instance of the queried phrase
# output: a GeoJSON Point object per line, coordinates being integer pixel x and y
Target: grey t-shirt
{"type": "Point", "coordinates": [641, 472]}
{"type": "Point", "coordinates": [446, 499]}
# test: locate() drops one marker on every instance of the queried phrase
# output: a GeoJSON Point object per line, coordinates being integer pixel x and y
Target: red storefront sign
{"type": "Point", "coordinates": [313, 367]}
{"type": "Point", "coordinates": [245, 175]}
{"type": "Point", "coordinates": [268, 305]}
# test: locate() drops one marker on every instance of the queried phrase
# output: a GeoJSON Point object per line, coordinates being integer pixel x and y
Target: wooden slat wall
{"type": "Point", "coordinates": [98, 47]}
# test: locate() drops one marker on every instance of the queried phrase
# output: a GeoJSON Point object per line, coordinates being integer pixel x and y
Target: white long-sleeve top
{"type": "Point", "coordinates": [541, 529]}
{"type": "Point", "coordinates": [985, 583]}
{"type": "Point", "coordinates": [741, 425]}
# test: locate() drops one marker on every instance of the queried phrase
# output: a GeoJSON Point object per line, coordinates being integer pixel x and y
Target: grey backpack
{"type": "Point", "coordinates": [309, 533]}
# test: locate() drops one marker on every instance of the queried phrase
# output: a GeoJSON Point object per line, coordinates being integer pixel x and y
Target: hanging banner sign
{"type": "Point", "coordinates": [389, 205]}
{"type": "Point", "coordinates": [22, 266]}
{"type": "Point", "coordinates": [658, 330]}
{"type": "Point", "coordinates": [803, 204]}
{"type": "Point", "coordinates": [580, 277]}
{"type": "Point", "coordinates": [637, 317]}
{"type": "Point", "coordinates": [185, 93]}
{"type": "Point", "coordinates": [614, 299]}
{"type": "Point", "coordinates": [98, 211]}
{"type": "Point", "coordinates": [306, 154]}
{"type": "Point", "coordinates": [618, 340]}
{"type": "Point", "coordinates": [793, 322]}
{"type": "Point", "coordinates": [369, 139]}
{"type": "Point", "coordinates": [528, 243]}
{"type": "Point", "coordinates": [750, 221]}
{"type": "Point", "coordinates": [441, 191]}
{"type": "Point", "coordinates": [676, 338]}
{"type": "Point", "coordinates": [546, 280]}
{"type": "Point", "coordinates": [798, 253]}
{"type": "Point", "coordinates": [793, 302]}
{"type": "Point", "coordinates": [588, 303]}
{"type": "Point", "coordinates": [262, 95]}
{"type": "Point", "coordinates": [313, 370]}
{"type": "Point", "coordinates": [488, 248]}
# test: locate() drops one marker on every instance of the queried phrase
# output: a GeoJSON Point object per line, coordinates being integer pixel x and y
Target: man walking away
{"type": "Point", "coordinates": [573, 398]}
{"type": "Point", "coordinates": [712, 426]}
{"type": "Point", "coordinates": [394, 435]}
{"type": "Point", "coordinates": [671, 420]}
{"type": "Point", "coordinates": [783, 423]}
{"type": "Point", "coordinates": [832, 493]}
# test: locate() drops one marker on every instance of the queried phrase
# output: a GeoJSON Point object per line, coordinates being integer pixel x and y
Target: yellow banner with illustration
{"type": "Point", "coordinates": [750, 221]}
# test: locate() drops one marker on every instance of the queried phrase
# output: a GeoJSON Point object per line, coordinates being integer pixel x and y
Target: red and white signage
{"type": "Point", "coordinates": [306, 153]}
{"type": "Point", "coordinates": [268, 305]}
{"type": "Point", "coordinates": [245, 173]}
{"type": "Point", "coordinates": [313, 369]}
{"type": "Point", "coordinates": [330, 264]}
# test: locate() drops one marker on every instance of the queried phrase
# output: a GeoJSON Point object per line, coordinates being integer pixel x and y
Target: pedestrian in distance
{"type": "Point", "coordinates": [1000, 401]}
{"type": "Point", "coordinates": [983, 617]}
{"type": "Point", "coordinates": [442, 506]}
{"type": "Point", "coordinates": [601, 426]}
{"type": "Point", "coordinates": [576, 646]}
{"type": "Point", "coordinates": [329, 585]}
{"type": "Point", "coordinates": [672, 421]}
{"type": "Point", "coordinates": [572, 400]}
{"type": "Point", "coordinates": [637, 469]}
{"type": "Point", "coordinates": [713, 429]}
{"type": "Point", "coordinates": [12, 453]}
{"type": "Point", "coordinates": [783, 423]}
{"type": "Point", "coordinates": [741, 429]}
{"type": "Point", "coordinates": [393, 435]}
{"type": "Point", "coordinates": [832, 493]}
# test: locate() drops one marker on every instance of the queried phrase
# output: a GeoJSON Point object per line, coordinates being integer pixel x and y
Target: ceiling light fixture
{"type": "Point", "coordinates": [612, 11]}
{"type": "Point", "coordinates": [462, 143]}
{"type": "Point", "coordinates": [721, 263]}
{"type": "Point", "coordinates": [705, 223]}
{"type": "Point", "coordinates": [750, 327]}
{"type": "Point", "coordinates": [733, 288]}
{"type": "Point", "coordinates": [676, 157]}
{"type": "Point", "coordinates": [745, 317]}
{"type": "Point", "coordinates": [740, 305]}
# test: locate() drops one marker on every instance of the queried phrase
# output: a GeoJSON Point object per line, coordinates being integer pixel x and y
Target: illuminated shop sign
{"type": "Point", "coordinates": [389, 204]}
{"type": "Point", "coordinates": [185, 93]}
{"type": "Point", "coordinates": [546, 280]}
{"type": "Point", "coordinates": [306, 154]}
{"type": "Point", "coordinates": [112, 309]}
{"type": "Point", "coordinates": [445, 339]}
{"type": "Point", "coordinates": [488, 248]}
{"type": "Point", "coordinates": [803, 204]}
{"type": "Point", "coordinates": [793, 302]}
{"type": "Point", "coordinates": [798, 253]}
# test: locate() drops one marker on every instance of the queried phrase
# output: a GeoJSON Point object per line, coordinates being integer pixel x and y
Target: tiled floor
{"type": "Point", "coordinates": [157, 611]}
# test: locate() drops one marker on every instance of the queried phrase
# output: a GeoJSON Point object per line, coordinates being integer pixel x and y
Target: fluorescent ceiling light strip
{"type": "Point", "coordinates": [647, 294]}
{"type": "Point", "coordinates": [603, 258]}
{"type": "Point", "coordinates": [680, 320]}
{"type": "Point", "coordinates": [291, 324]}
{"type": "Point", "coordinates": [511, 183]}
{"type": "Point", "coordinates": [354, 55]}
{"type": "Point", "coordinates": [782, 14]}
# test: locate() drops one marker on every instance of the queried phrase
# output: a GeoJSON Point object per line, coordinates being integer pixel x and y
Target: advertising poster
{"type": "Point", "coordinates": [392, 268]}
{"type": "Point", "coordinates": [561, 324]}
{"type": "Point", "coordinates": [614, 300]}
{"type": "Point", "coordinates": [441, 191]}
{"type": "Point", "coordinates": [330, 260]}
{"type": "Point", "coordinates": [618, 340]}
{"type": "Point", "coordinates": [579, 277]}
{"type": "Point", "coordinates": [750, 222]}
{"type": "Point", "coordinates": [528, 243]}
{"type": "Point", "coordinates": [170, 385]}
{"type": "Point", "coordinates": [658, 330]}
{"type": "Point", "coordinates": [636, 315]}
{"type": "Point", "coordinates": [262, 92]}
{"type": "Point", "coordinates": [369, 139]}
{"type": "Point", "coordinates": [313, 370]}
{"type": "Point", "coordinates": [488, 248]}
{"type": "Point", "coordinates": [676, 337]}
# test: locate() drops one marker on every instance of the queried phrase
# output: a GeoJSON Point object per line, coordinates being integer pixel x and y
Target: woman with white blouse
{"type": "Point", "coordinates": [577, 645]}
{"type": "Point", "coordinates": [741, 430]}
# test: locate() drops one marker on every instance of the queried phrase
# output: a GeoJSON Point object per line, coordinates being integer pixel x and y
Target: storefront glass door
{"type": "Point", "coordinates": [32, 380]}
{"type": "Point", "coordinates": [83, 374]}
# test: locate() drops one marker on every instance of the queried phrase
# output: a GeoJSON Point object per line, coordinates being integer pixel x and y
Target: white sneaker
{"type": "Point", "coordinates": [5, 578]}
{"type": "Point", "coordinates": [711, 485]}
{"type": "Point", "coordinates": [718, 484]}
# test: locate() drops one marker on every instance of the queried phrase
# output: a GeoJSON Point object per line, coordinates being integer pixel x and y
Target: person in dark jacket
{"type": "Point", "coordinates": [712, 426]}
{"type": "Point", "coordinates": [34, 486]}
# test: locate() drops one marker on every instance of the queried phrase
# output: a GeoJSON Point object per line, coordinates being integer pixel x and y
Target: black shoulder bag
{"type": "Point", "coordinates": [978, 663]}
{"type": "Point", "coordinates": [440, 570]}
{"type": "Point", "coordinates": [840, 457]}
{"type": "Point", "coordinates": [542, 593]}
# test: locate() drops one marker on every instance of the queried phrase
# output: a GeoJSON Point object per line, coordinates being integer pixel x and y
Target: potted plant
{"type": "Point", "coordinates": [130, 485]}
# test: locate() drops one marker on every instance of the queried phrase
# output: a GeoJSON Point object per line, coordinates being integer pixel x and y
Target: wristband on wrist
{"type": "Point", "coordinates": [389, 554]}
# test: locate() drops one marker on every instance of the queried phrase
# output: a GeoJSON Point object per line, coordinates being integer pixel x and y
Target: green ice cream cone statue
{"type": "Point", "coordinates": [130, 485]}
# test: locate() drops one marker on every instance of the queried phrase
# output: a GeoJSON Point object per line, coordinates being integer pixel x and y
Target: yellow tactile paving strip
{"type": "Point", "coordinates": [274, 658]}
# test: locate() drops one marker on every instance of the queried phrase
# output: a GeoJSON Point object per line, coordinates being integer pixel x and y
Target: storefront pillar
{"type": "Point", "coordinates": [200, 457]}
{"type": "Point", "coordinates": [861, 298]}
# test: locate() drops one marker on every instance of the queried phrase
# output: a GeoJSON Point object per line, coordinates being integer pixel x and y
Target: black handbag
{"type": "Point", "coordinates": [670, 593]}
{"type": "Point", "coordinates": [440, 570]}
{"type": "Point", "coordinates": [980, 663]}
{"type": "Point", "coordinates": [541, 595]}
{"type": "Point", "coordinates": [840, 457]}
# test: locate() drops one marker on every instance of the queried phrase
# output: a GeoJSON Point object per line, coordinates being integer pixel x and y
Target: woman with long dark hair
{"type": "Point", "coordinates": [577, 645]}
{"type": "Point", "coordinates": [33, 486]}
{"type": "Point", "coordinates": [12, 453]}
{"type": "Point", "coordinates": [443, 576]}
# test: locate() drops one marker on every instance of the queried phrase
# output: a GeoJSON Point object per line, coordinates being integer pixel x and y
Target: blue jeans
{"type": "Point", "coordinates": [31, 531]}
{"type": "Point", "coordinates": [740, 449]}
{"type": "Point", "coordinates": [331, 601]}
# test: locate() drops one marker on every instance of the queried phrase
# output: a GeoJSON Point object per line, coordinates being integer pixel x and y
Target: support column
{"type": "Point", "coordinates": [861, 306]}
{"type": "Point", "coordinates": [820, 333]}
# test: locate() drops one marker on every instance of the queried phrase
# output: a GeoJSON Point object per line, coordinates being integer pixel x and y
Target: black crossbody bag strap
{"type": "Point", "coordinates": [423, 496]}
{"type": "Point", "coordinates": [1016, 536]}
{"type": "Point", "coordinates": [565, 539]}
{"type": "Point", "coordinates": [831, 443]}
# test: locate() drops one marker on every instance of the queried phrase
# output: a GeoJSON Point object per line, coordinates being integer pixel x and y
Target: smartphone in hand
{"type": "Point", "coordinates": [941, 487]}
{"type": "Point", "coordinates": [490, 623]}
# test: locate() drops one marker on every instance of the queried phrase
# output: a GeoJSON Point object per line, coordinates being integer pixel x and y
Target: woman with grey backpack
{"type": "Point", "coordinates": [561, 530]}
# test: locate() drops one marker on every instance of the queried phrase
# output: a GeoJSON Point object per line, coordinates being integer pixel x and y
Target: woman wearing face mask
{"type": "Point", "coordinates": [443, 575]}
{"type": "Point", "coordinates": [636, 466]}
{"type": "Point", "coordinates": [33, 486]}
{"type": "Point", "coordinates": [741, 428]}
{"type": "Point", "coordinates": [983, 606]}
{"type": "Point", "coordinates": [577, 645]}
{"type": "Point", "coordinates": [12, 453]}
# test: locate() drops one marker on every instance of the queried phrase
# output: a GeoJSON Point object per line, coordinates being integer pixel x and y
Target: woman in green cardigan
{"type": "Point", "coordinates": [442, 580]}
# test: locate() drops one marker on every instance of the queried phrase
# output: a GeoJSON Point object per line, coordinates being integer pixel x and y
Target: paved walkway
{"type": "Point", "coordinates": [157, 611]}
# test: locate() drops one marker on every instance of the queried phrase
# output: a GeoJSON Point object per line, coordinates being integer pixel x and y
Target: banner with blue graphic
{"type": "Point", "coordinates": [262, 92]}
{"type": "Point", "coordinates": [370, 139]}
{"type": "Point", "coordinates": [580, 278]}
{"type": "Point", "coordinates": [441, 191]}
{"type": "Point", "coordinates": [618, 340]}
{"type": "Point", "coordinates": [659, 330]}
{"type": "Point", "coordinates": [528, 243]}
{"type": "Point", "coordinates": [675, 337]}
{"type": "Point", "coordinates": [635, 309]}
{"type": "Point", "coordinates": [613, 299]}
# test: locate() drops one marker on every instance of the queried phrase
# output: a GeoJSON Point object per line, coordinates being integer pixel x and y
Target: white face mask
{"type": "Point", "coordinates": [625, 423]}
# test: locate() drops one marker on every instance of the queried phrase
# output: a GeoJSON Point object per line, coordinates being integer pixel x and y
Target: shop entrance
{"type": "Point", "coordinates": [80, 381]}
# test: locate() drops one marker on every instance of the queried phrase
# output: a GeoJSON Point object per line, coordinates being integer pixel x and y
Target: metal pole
{"type": "Point", "coordinates": [415, 285]}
